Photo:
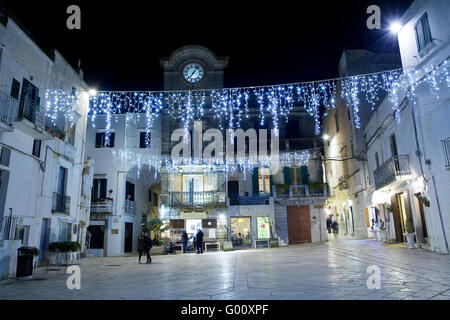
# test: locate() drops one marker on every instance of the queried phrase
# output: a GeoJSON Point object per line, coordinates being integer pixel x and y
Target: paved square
{"type": "Point", "coordinates": [332, 270]}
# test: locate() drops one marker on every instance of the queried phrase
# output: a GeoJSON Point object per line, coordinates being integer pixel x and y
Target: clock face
{"type": "Point", "coordinates": [193, 72]}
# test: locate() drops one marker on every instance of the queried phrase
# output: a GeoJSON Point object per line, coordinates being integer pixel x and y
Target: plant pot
{"type": "Point", "coordinates": [410, 239]}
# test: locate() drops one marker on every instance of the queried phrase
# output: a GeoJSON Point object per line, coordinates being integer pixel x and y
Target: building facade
{"type": "Point", "coordinates": [409, 161]}
{"type": "Point", "coordinates": [42, 168]}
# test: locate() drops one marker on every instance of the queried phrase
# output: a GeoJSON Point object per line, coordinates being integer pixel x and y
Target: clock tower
{"type": "Point", "coordinates": [193, 67]}
{"type": "Point", "coordinates": [189, 68]}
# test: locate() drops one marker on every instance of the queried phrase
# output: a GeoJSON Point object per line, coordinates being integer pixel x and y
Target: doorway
{"type": "Point", "coordinates": [299, 224]}
{"type": "Point", "coordinates": [240, 233]}
{"type": "Point", "coordinates": [422, 217]}
{"type": "Point", "coordinates": [97, 237]}
{"type": "Point", "coordinates": [402, 215]}
{"type": "Point", "coordinates": [44, 241]}
{"type": "Point", "coordinates": [128, 237]}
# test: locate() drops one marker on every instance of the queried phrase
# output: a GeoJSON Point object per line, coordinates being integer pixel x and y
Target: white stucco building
{"type": "Point", "coordinates": [42, 166]}
{"type": "Point", "coordinates": [409, 161]}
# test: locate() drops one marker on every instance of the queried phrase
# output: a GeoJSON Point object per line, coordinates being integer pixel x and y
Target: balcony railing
{"type": "Point", "coordinates": [102, 206]}
{"type": "Point", "coordinates": [9, 108]}
{"type": "Point", "coordinates": [388, 172]}
{"type": "Point", "coordinates": [61, 203]}
{"type": "Point", "coordinates": [446, 147]}
{"type": "Point", "coordinates": [130, 208]}
{"type": "Point", "coordinates": [33, 112]}
{"type": "Point", "coordinates": [297, 191]}
{"type": "Point", "coordinates": [249, 201]}
{"type": "Point", "coordinates": [197, 198]}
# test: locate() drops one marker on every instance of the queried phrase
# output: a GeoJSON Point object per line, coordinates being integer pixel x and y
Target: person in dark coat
{"type": "Point", "coordinates": [140, 245]}
{"type": "Point", "coordinates": [199, 241]}
{"type": "Point", "coordinates": [184, 239]}
{"type": "Point", "coordinates": [329, 224]}
{"type": "Point", "coordinates": [147, 247]}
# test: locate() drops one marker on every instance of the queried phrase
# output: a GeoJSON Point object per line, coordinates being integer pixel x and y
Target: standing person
{"type": "Point", "coordinates": [184, 239]}
{"type": "Point", "coordinates": [147, 247]}
{"type": "Point", "coordinates": [335, 227]}
{"type": "Point", "coordinates": [199, 240]}
{"type": "Point", "coordinates": [140, 245]}
{"type": "Point", "coordinates": [329, 224]}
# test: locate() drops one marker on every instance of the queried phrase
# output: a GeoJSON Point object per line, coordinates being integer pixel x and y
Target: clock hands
{"type": "Point", "coordinates": [193, 72]}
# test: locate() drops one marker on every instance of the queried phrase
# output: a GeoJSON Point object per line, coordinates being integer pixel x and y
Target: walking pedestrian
{"type": "Point", "coordinates": [184, 239]}
{"type": "Point", "coordinates": [199, 241]}
{"type": "Point", "coordinates": [147, 247]}
{"type": "Point", "coordinates": [140, 245]}
{"type": "Point", "coordinates": [329, 224]}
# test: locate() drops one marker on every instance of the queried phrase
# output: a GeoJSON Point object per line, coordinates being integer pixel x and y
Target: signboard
{"type": "Point", "coordinates": [114, 231]}
{"type": "Point", "coordinates": [193, 215]}
{"type": "Point", "coordinates": [263, 228]}
{"type": "Point", "coordinates": [212, 233]}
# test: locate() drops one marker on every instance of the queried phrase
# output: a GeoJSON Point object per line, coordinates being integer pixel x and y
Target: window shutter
{"type": "Point", "coordinates": [287, 175]}
{"type": "Point", "coordinates": [111, 139]}
{"type": "Point", "coordinates": [98, 140]}
{"type": "Point", "coordinates": [271, 184]}
{"type": "Point", "coordinates": [255, 182]}
{"type": "Point", "coordinates": [305, 178]}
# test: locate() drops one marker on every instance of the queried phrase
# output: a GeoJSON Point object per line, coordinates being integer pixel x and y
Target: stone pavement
{"type": "Point", "coordinates": [331, 270]}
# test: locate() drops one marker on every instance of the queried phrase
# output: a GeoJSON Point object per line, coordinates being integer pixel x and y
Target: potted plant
{"type": "Point", "coordinates": [410, 234]}
{"type": "Point", "coordinates": [156, 226]}
{"type": "Point", "coordinates": [383, 231]}
{"type": "Point", "coordinates": [282, 189]}
{"type": "Point", "coordinates": [64, 249]}
{"type": "Point", "coordinates": [424, 200]}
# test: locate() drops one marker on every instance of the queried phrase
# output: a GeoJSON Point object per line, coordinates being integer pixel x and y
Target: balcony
{"type": "Point", "coordinates": [130, 208]}
{"type": "Point", "coordinates": [191, 199]}
{"type": "Point", "coordinates": [397, 168]}
{"type": "Point", "coordinates": [249, 201]}
{"type": "Point", "coordinates": [32, 112]}
{"type": "Point", "coordinates": [61, 203]}
{"type": "Point", "coordinates": [102, 206]}
{"type": "Point", "coordinates": [9, 109]}
{"type": "Point", "coordinates": [299, 191]}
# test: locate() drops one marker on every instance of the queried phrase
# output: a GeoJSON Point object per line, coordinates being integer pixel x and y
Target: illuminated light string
{"type": "Point", "coordinates": [276, 102]}
{"type": "Point", "coordinates": [139, 160]}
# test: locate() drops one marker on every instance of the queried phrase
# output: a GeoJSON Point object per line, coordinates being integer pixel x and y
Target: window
{"type": "Point", "coordinates": [15, 89]}
{"type": "Point", "coordinates": [296, 176]}
{"type": "Point", "coordinates": [100, 140]}
{"type": "Point", "coordinates": [99, 189]}
{"type": "Point", "coordinates": [37, 148]}
{"type": "Point", "coordinates": [423, 33]}
{"type": "Point", "coordinates": [22, 233]}
{"type": "Point", "coordinates": [155, 198]}
{"type": "Point", "coordinates": [5, 156]}
{"type": "Point", "coordinates": [129, 191]}
{"type": "Point", "coordinates": [264, 181]}
{"type": "Point", "coordinates": [65, 232]}
{"type": "Point", "coordinates": [337, 121]}
{"type": "Point", "coordinates": [71, 133]}
{"type": "Point", "coordinates": [377, 160]}
{"type": "Point", "coordinates": [62, 184]}
{"type": "Point", "coordinates": [142, 140]}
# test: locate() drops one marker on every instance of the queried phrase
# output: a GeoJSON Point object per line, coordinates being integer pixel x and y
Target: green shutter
{"type": "Point", "coordinates": [271, 184]}
{"type": "Point", "coordinates": [287, 175]}
{"type": "Point", "coordinates": [305, 179]}
{"type": "Point", "coordinates": [255, 182]}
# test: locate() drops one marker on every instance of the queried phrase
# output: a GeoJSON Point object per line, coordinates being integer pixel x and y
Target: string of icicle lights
{"type": "Point", "coordinates": [139, 160]}
{"type": "Point", "coordinates": [273, 103]}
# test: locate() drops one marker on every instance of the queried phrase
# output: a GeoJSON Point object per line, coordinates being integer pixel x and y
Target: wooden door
{"type": "Point", "coordinates": [299, 224]}
{"type": "Point", "coordinates": [397, 219]}
{"type": "Point", "coordinates": [128, 237]}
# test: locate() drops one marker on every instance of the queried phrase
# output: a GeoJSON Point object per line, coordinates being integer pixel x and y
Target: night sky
{"type": "Point", "coordinates": [267, 42]}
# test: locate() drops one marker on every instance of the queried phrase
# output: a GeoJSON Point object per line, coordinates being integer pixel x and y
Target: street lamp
{"type": "Point", "coordinates": [93, 92]}
{"type": "Point", "coordinates": [326, 137]}
{"type": "Point", "coordinates": [395, 27]}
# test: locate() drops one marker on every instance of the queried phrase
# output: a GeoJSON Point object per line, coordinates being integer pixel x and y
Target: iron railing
{"type": "Point", "coordinates": [130, 207]}
{"type": "Point", "coordinates": [446, 147]}
{"type": "Point", "coordinates": [249, 201]}
{"type": "Point", "coordinates": [196, 198]}
{"type": "Point", "coordinates": [9, 108]}
{"type": "Point", "coordinates": [391, 169]}
{"type": "Point", "coordinates": [297, 191]}
{"type": "Point", "coordinates": [32, 111]}
{"type": "Point", "coordinates": [61, 203]}
{"type": "Point", "coordinates": [102, 206]}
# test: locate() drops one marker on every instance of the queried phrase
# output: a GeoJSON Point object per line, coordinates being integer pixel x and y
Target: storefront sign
{"type": "Point", "coordinates": [193, 215]}
{"type": "Point", "coordinates": [114, 231]}
{"type": "Point", "coordinates": [263, 228]}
